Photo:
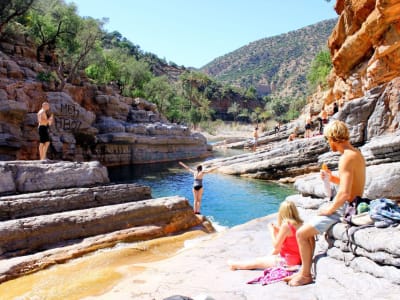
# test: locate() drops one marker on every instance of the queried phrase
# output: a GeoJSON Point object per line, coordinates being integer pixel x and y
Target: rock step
{"type": "Point", "coordinates": [29, 235]}
{"type": "Point", "coordinates": [54, 201]}
{"type": "Point", "coordinates": [35, 176]}
{"type": "Point", "coordinates": [22, 265]}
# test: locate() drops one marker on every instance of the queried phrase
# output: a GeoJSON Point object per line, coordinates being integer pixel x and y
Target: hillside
{"type": "Point", "coordinates": [276, 66]}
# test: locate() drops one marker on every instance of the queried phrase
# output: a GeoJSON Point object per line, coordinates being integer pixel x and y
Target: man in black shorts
{"type": "Point", "coordinates": [43, 129]}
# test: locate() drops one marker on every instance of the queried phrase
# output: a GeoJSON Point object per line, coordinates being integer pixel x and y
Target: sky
{"type": "Point", "coordinates": [192, 33]}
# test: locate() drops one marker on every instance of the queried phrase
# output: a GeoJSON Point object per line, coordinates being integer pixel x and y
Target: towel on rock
{"type": "Point", "coordinates": [272, 275]}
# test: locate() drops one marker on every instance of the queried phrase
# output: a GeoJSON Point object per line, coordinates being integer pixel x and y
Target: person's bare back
{"type": "Point", "coordinates": [353, 161]}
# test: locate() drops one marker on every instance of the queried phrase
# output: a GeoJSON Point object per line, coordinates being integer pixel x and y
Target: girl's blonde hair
{"type": "Point", "coordinates": [288, 213]}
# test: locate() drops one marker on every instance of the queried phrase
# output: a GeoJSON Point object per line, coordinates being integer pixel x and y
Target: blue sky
{"type": "Point", "coordinates": [194, 32]}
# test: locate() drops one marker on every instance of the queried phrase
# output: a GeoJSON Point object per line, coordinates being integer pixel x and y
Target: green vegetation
{"type": "Point", "coordinates": [10, 10]}
{"type": "Point", "coordinates": [71, 46]}
{"type": "Point", "coordinates": [277, 65]}
{"type": "Point", "coordinates": [320, 68]}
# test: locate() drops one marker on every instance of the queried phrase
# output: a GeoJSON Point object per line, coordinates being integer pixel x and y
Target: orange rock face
{"type": "Point", "coordinates": [365, 46]}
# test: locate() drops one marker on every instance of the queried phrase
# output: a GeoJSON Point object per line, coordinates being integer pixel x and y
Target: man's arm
{"type": "Point", "coordinates": [345, 187]}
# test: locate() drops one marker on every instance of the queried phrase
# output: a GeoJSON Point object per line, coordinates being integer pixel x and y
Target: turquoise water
{"type": "Point", "coordinates": [227, 200]}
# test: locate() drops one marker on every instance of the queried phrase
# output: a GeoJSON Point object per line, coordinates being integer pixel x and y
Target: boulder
{"type": "Point", "coordinates": [33, 176]}
{"type": "Point", "coordinates": [381, 181]}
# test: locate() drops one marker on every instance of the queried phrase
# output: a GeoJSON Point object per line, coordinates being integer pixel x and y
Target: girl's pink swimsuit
{"type": "Point", "coordinates": [290, 249]}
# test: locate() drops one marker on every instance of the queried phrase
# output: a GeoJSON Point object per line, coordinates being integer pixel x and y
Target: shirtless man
{"type": "Point", "coordinates": [351, 183]}
{"type": "Point", "coordinates": [44, 123]}
{"type": "Point", "coordinates": [324, 116]}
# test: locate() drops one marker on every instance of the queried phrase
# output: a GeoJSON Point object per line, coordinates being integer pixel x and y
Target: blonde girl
{"type": "Point", "coordinates": [283, 234]}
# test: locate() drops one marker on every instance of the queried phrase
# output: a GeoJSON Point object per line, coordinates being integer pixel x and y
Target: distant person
{"type": "Point", "coordinates": [341, 103]}
{"type": "Point", "coordinates": [293, 135]}
{"type": "Point", "coordinates": [197, 184]}
{"type": "Point", "coordinates": [285, 249]}
{"type": "Point", "coordinates": [324, 116]}
{"type": "Point", "coordinates": [255, 138]}
{"type": "Point", "coordinates": [307, 128]}
{"type": "Point", "coordinates": [43, 129]}
{"type": "Point", "coordinates": [351, 183]}
{"type": "Point", "coordinates": [320, 125]}
{"type": "Point", "coordinates": [277, 127]}
{"type": "Point", "coordinates": [335, 108]}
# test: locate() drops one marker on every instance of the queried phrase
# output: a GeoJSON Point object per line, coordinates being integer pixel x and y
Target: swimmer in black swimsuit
{"type": "Point", "coordinates": [197, 185]}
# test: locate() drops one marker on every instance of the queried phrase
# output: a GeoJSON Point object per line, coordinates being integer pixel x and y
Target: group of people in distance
{"type": "Point", "coordinates": [293, 240]}
{"type": "Point", "coordinates": [322, 119]}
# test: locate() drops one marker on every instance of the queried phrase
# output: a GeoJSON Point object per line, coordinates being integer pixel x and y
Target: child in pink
{"type": "Point", "coordinates": [285, 248]}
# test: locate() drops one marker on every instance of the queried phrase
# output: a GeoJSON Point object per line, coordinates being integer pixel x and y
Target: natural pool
{"type": "Point", "coordinates": [227, 200]}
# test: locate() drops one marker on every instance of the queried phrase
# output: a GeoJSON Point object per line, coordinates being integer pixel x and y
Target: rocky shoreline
{"type": "Point", "coordinates": [60, 210]}
{"type": "Point", "coordinates": [202, 272]}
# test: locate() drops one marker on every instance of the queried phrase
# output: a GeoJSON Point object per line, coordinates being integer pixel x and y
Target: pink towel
{"type": "Point", "coordinates": [272, 275]}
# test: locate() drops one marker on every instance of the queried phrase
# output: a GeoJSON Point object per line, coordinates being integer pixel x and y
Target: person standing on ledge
{"type": "Point", "coordinates": [255, 138]}
{"type": "Point", "coordinates": [44, 123]}
{"type": "Point", "coordinates": [197, 185]}
{"type": "Point", "coordinates": [351, 183]}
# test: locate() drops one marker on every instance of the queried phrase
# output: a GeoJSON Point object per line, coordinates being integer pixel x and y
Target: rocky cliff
{"type": "Point", "coordinates": [91, 122]}
{"type": "Point", "coordinates": [365, 50]}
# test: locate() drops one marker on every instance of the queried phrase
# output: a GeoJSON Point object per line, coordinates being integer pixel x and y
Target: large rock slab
{"type": "Point", "coordinates": [32, 234]}
{"type": "Point", "coordinates": [33, 176]}
{"type": "Point", "coordinates": [280, 160]}
{"type": "Point", "coordinates": [23, 265]}
{"type": "Point", "coordinates": [53, 201]}
{"type": "Point", "coordinates": [180, 275]}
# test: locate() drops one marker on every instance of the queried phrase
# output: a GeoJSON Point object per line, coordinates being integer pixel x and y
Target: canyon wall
{"type": "Point", "coordinates": [91, 122]}
{"type": "Point", "coordinates": [365, 51]}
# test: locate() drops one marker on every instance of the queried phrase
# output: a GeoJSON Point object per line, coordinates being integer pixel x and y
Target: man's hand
{"type": "Point", "coordinates": [327, 173]}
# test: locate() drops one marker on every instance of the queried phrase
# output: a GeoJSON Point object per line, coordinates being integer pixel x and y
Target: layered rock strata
{"type": "Point", "coordinates": [27, 235]}
{"type": "Point", "coordinates": [59, 200]}
{"type": "Point", "coordinates": [90, 122]}
{"type": "Point", "coordinates": [288, 159]}
{"type": "Point", "coordinates": [61, 210]}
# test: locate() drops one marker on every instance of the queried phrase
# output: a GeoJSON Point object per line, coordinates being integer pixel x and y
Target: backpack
{"type": "Point", "coordinates": [350, 214]}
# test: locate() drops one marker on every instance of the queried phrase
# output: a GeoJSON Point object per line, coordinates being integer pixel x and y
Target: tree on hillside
{"type": "Point", "coordinates": [117, 65]}
{"type": "Point", "coordinates": [64, 38]}
{"type": "Point", "coordinates": [51, 22]}
{"type": "Point", "coordinates": [319, 70]}
{"type": "Point", "coordinates": [234, 109]}
{"type": "Point", "coordinates": [10, 9]}
{"type": "Point", "coordinates": [160, 92]}
{"type": "Point", "coordinates": [251, 93]}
